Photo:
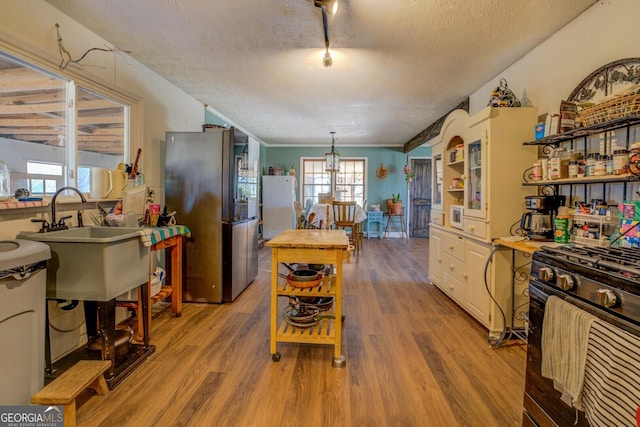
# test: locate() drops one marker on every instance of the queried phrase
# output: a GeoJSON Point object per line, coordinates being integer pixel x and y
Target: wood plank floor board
{"type": "Point", "coordinates": [413, 358]}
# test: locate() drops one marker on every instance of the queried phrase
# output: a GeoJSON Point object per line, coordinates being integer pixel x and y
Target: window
{"type": "Point", "coordinates": [54, 129]}
{"type": "Point", "coordinates": [43, 178]}
{"type": "Point", "coordinates": [348, 184]}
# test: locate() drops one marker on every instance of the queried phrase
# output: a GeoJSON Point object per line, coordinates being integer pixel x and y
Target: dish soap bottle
{"type": "Point", "coordinates": [5, 183]}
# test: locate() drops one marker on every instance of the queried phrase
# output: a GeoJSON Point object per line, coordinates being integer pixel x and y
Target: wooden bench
{"type": "Point", "coordinates": [64, 389]}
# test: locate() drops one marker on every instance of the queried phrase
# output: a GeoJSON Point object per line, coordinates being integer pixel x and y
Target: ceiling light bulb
{"type": "Point", "coordinates": [329, 6]}
{"type": "Point", "coordinates": [327, 61]}
{"type": "Point", "coordinates": [332, 7]}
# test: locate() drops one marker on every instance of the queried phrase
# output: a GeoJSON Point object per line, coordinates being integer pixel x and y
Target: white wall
{"type": "Point", "coordinates": [604, 33]}
{"type": "Point", "coordinates": [30, 27]}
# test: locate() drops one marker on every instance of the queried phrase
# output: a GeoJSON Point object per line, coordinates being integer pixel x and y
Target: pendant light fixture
{"type": "Point", "coordinates": [332, 158]}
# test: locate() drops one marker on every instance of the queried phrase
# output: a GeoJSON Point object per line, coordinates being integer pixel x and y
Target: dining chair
{"type": "Point", "coordinates": [313, 224]}
{"type": "Point", "coordinates": [344, 218]}
{"type": "Point", "coordinates": [297, 206]}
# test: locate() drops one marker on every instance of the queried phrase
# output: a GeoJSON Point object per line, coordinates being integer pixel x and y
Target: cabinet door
{"type": "Point", "coordinates": [479, 302]}
{"type": "Point", "coordinates": [475, 194]}
{"type": "Point", "coordinates": [435, 256]}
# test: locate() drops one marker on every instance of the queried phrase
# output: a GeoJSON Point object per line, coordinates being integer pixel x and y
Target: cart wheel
{"type": "Point", "coordinates": [276, 357]}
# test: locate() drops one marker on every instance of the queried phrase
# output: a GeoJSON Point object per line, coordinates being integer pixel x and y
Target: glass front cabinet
{"type": "Point", "coordinates": [474, 180]}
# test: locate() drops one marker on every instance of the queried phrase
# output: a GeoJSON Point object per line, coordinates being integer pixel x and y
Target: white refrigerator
{"type": "Point", "coordinates": [278, 214]}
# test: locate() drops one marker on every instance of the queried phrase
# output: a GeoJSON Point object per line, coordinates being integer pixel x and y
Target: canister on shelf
{"type": "Point", "coordinates": [537, 171]}
{"type": "Point", "coordinates": [600, 167]}
{"type": "Point", "coordinates": [608, 165]}
{"type": "Point", "coordinates": [582, 166]}
{"type": "Point", "coordinates": [591, 164]}
{"type": "Point", "coordinates": [620, 161]}
{"type": "Point", "coordinates": [559, 163]}
{"type": "Point", "coordinates": [573, 169]}
{"type": "Point", "coordinates": [545, 168]}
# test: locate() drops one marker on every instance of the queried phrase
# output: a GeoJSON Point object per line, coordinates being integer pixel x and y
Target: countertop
{"type": "Point", "coordinates": [328, 239]}
{"type": "Point", "coordinates": [527, 246]}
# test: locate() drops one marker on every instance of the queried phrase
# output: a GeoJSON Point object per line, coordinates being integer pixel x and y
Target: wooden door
{"type": "Point", "coordinates": [420, 198]}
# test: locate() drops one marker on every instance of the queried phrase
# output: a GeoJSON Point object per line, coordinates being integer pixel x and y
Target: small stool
{"type": "Point", "coordinates": [375, 217]}
{"type": "Point", "coordinates": [64, 389]}
{"type": "Point", "coordinates": [402, 226]}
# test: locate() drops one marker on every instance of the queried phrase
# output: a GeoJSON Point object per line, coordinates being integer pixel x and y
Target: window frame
{"type": "Point", "coordinates": [332, 177]}
{"type": "Point", "coordinates": [133, 131]}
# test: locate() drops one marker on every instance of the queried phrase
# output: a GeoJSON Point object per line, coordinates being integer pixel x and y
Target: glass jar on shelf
{"type": "Point", "coordinates": [620, 161]}
{"type": "Point", "coordinates": [559, 163]}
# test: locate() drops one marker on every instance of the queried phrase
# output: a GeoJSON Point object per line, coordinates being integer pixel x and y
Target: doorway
{"type": "Point", "coordinates": [420, 198]}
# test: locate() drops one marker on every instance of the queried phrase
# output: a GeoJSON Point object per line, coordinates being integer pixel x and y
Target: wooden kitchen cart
{"type": "Point", "coordinates": [308, 247]}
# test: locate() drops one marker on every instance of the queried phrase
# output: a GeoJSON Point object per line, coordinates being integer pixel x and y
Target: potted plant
{"type": "Point", "coordinates": [394, 204]}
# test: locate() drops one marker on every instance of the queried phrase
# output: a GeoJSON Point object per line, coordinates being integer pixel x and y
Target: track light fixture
{"type": "Point", "coordinates": [328, 7]}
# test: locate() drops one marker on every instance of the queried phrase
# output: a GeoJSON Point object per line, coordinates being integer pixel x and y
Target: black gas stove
{"type": "Point", "coordinates": [602, 281]}
{"type": "Point", "coordinates": [608, 278]}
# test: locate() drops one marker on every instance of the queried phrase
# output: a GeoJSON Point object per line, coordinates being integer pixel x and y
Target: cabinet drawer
{"type": "Point", "coordinates": [374, 216]}
{"type": "Point", "coordinates": [437, 217]}
{"type": "Point", "coordinates": [453, 245]}
{"type": "Point", "coordinates": [454, 267]}
{"type": "Point", "coordinates": [476, 228]}
{"type": "Point", "coordinates": [456, 289]}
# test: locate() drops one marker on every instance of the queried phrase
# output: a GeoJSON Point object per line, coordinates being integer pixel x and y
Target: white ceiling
{"type": "Point", "coordinates": [398, 65]}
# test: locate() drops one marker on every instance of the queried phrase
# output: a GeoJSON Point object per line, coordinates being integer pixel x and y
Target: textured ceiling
{"type": "Point", "coordinates": [398, 65]}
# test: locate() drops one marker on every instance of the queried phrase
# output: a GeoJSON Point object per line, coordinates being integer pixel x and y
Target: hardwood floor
{"type": "Point", "coordinates": [413, 358]}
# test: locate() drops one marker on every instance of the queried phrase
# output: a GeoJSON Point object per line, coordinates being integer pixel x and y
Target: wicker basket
{"type": "Point", "coordinates": [616, 108]}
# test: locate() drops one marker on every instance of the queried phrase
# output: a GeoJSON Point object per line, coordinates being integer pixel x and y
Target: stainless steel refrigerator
{"type": "Point", "coordinates": [200, 180]}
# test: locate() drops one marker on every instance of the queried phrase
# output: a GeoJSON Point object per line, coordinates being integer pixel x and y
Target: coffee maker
{"type": "Point", "coordinates": [538, 222]}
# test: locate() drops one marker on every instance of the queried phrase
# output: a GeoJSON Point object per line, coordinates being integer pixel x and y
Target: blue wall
{"type": "Point", "coordinates": [378, 190]}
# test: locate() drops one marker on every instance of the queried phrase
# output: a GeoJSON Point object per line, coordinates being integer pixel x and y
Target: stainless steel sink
{"type": "Point", "coordinates": [93, 263]}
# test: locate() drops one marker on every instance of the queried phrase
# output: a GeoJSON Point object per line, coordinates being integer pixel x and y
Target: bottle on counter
{"type": "Point", "coordinates": [561, 222]}
{"type": "Point", "coordinates": [5, 181]}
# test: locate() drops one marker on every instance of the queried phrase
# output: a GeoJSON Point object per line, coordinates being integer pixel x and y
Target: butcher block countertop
{"type": "Point", "coordinates": [527, 246]}
{"type": "Point", "coordinates": [326, 239]}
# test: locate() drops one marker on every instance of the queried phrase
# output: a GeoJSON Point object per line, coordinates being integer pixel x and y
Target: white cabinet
{"type": "Point", "coordinates": [479, 303]}
{"type": "Point", "coordinates": [435, 255]}
{"type": "Point", "coordinates": [456, 266]}
{"type": "Point", "coordinates": [483, 160]}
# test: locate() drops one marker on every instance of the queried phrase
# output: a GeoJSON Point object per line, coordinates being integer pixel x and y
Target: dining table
{"type": "Point", "coordinates": [320, 211]}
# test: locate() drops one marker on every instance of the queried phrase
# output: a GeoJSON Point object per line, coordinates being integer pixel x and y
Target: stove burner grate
{"type": "Point", "coordinates": [624, 262]}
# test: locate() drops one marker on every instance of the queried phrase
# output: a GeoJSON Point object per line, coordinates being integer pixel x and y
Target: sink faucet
{"type": "Point", "coordinates": [53, 203]}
